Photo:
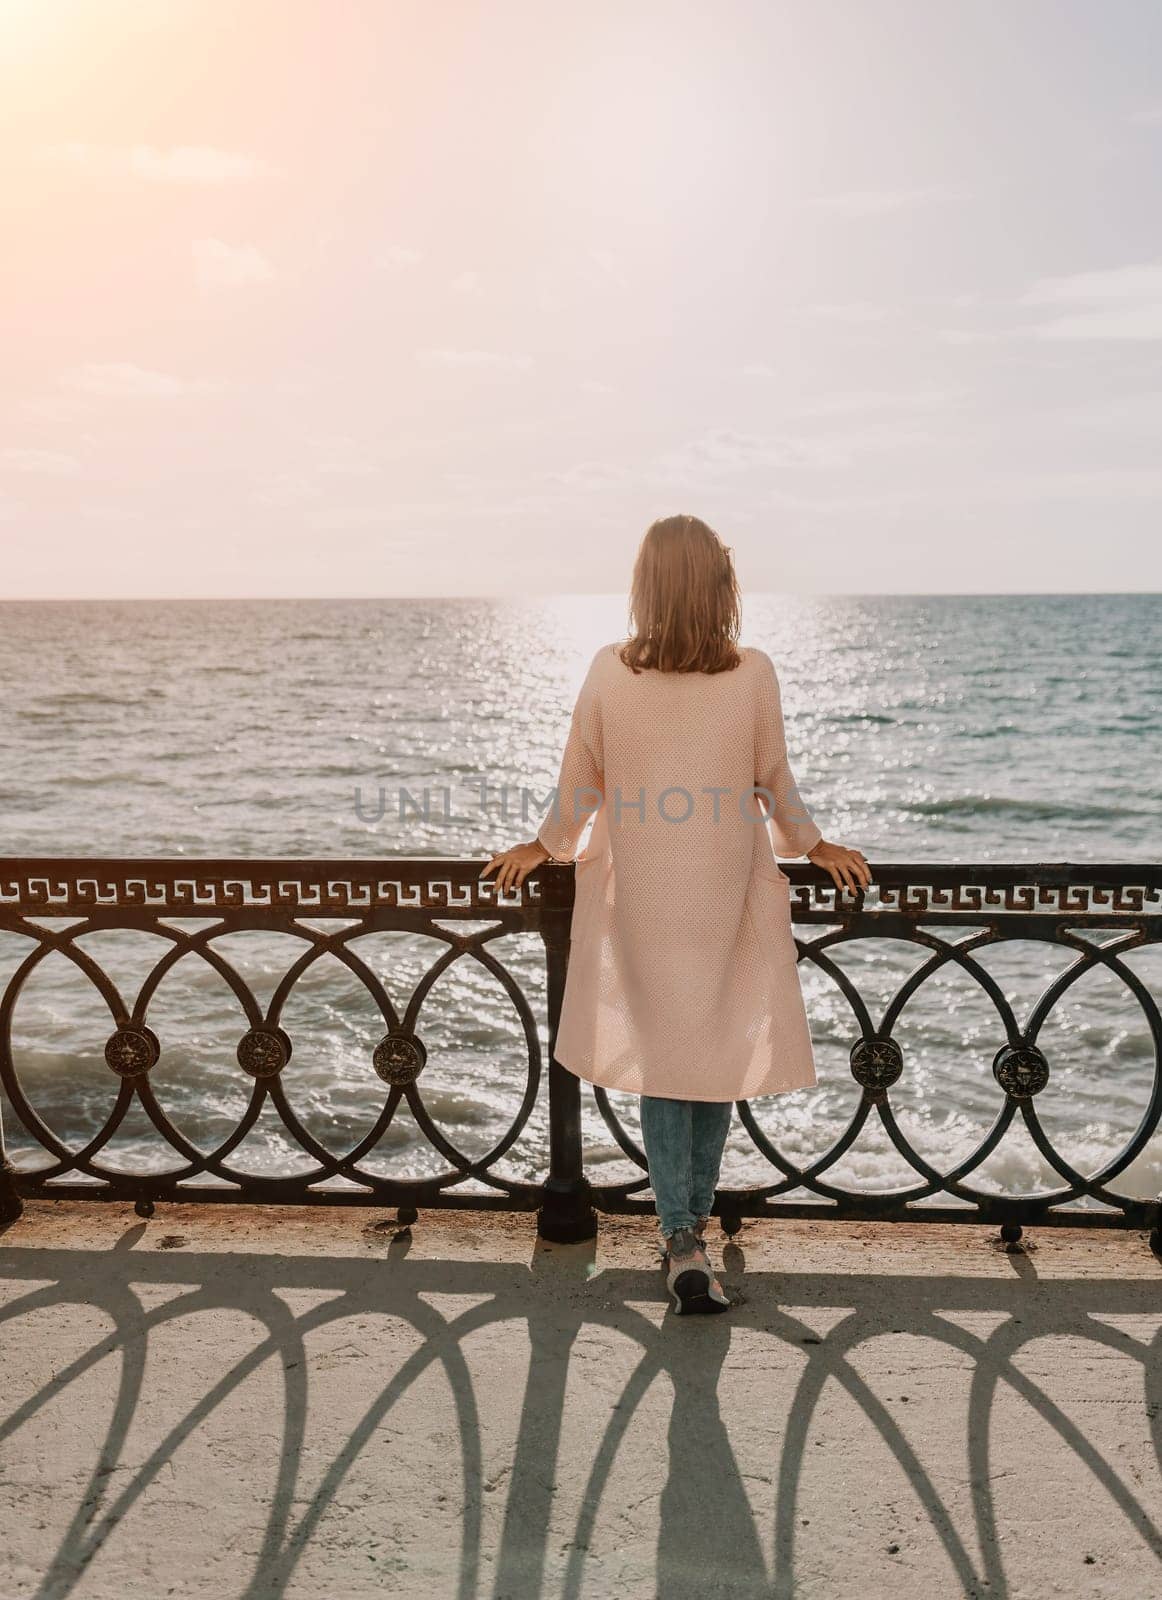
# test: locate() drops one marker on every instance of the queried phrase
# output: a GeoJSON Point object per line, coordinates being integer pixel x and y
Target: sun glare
{"type": "Point", "coordinates": [28, 24]}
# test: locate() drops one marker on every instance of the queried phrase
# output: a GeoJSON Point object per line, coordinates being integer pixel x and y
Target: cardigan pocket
{"type": "Point", "coordinates": [768, 900]}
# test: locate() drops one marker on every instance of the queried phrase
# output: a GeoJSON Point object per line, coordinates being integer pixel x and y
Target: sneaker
{"type": "Point", "coordinates": [689, 1276]}
{"type": "Point", "coordinates": [699, 1231]}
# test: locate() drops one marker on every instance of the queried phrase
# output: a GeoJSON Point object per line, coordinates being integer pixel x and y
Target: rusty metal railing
{"type": "Point", "coordinates": [950, 913]}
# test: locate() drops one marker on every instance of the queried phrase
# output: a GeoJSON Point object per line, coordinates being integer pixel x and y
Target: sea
{"type": "Point", "coordinates": [921, 728]}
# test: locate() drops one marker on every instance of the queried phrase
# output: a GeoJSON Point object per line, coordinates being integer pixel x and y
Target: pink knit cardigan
{"type": "Point", "coordinates": [682, 968]}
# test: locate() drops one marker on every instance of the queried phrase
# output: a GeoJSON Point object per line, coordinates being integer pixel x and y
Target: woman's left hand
{"type": "Point", "coordinates": [513, 866]}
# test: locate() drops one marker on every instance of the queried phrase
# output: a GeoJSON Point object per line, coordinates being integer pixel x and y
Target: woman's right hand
{"type": "Point", "coordinates": [847, 867]}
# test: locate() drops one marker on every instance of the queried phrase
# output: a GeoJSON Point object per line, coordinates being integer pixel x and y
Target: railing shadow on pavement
{"type": "Point", "coordinates": [707, 1529]}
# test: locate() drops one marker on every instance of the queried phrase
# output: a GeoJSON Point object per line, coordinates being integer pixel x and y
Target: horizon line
{"type": "Point", "coordinates": [569, 594]}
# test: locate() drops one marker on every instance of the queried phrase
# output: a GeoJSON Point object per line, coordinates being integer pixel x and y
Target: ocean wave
{"type": "Point", "coordinates": [838, 718]}
{"type": "Point", "coordinates": [1040, 810]}
{"type": "Point", "coordinates": [117, 780]}
{"type": "Point", "coordinates": [99, 697]}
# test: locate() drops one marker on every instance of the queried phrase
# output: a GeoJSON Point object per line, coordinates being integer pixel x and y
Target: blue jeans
{"type": "Point", "coordinates": [684, 1141]}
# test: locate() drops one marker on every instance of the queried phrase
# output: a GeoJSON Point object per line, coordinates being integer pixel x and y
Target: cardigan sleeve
{"type": "Point", "coordinates": [580, 790]}
{"type": "Point", "coordinates": [793, 830]}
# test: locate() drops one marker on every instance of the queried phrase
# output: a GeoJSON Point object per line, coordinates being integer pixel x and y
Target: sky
{"type": "Point", "coordinates": [455, 297]}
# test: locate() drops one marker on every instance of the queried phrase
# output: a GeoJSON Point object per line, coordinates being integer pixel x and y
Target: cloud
{"type": "Point", "coordinates": [837, 314]}
{"type": "Point", "coordinates": [340, 456]}
{"type": "Point", "coordinates": [606, 263]}
{"type": "Point", "coordinates": [467, 282]}
{"type": "Point", "coordinates": [1116, 284]}
{"type": "Point", "coordinates": [124, 379]}
{"type": "Point", "coordinates": [590, 476]}
{"type": "Point", "coordinates": [717, 458]}
{"type": "Point", "coordinates": [388, 540]}
{"type": "Point", "coordinates": [187, 163]}
{"type": "Point", "coordinates": [401, 255]}
{"type": "Point", "coordinates": [287, 490]}
{"type": "Point", "coordinates": [723, 451]}
{"type": "Point", "coordinates": [114, 515]}
{"type": "Point", "coordinates": [969, 335]}
{"type": "Point", "coordinates": [848, 402]}
{"type": "Point", "coordinates": [39, 463]}
{"type": "Point", "coordinates": [1113, 303]}
{"type": "Point", "coordinates": [336, 456]}
{"type": "Point", "coordinates": [874, 202]}
{"type": "Point", "coordinates": [853, 312]}
{"type": "Point", "coordinates": [1147, 116]}
{"type": "Point", "coordinates": [1100, 484]}
{"type": "Point", "coordinates": [498, 359]}
{"type": "Point", "coordinates": [824, 505]}
{"type": "Point", "coordinates": [229, 266]}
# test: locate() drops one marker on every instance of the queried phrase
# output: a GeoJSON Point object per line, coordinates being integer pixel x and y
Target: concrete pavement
{"type": "Point", "coordinates": [237, 1402]}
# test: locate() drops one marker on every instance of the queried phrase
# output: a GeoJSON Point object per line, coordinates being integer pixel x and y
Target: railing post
{"type": "Point", "coordinates": [11, 1205]}
{"type": "Point", "coordinates": [566, 1215]}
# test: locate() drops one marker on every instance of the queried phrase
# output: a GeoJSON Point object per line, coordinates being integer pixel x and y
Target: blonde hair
{"type": "Point", "coordinates": [684, 604]}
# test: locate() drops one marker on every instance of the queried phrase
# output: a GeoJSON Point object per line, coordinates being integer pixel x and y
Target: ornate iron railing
{"type": "Point", "coordinates": [52, 903]}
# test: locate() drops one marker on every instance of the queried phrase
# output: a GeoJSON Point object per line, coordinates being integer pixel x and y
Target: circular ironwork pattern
{"type": "Point", "coordinates": [399, 1058]}
{"type": "Point", "coordinates": [264, 1052]}
{"type": "Point", "coordinates": [1021, 1070]}
{"type": "Point", "coordinates": [877, 1062]}
{"type": "Point", "coordinates": [439, 903]}
{"type": "Point", "coordinates": [132, 1050]}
